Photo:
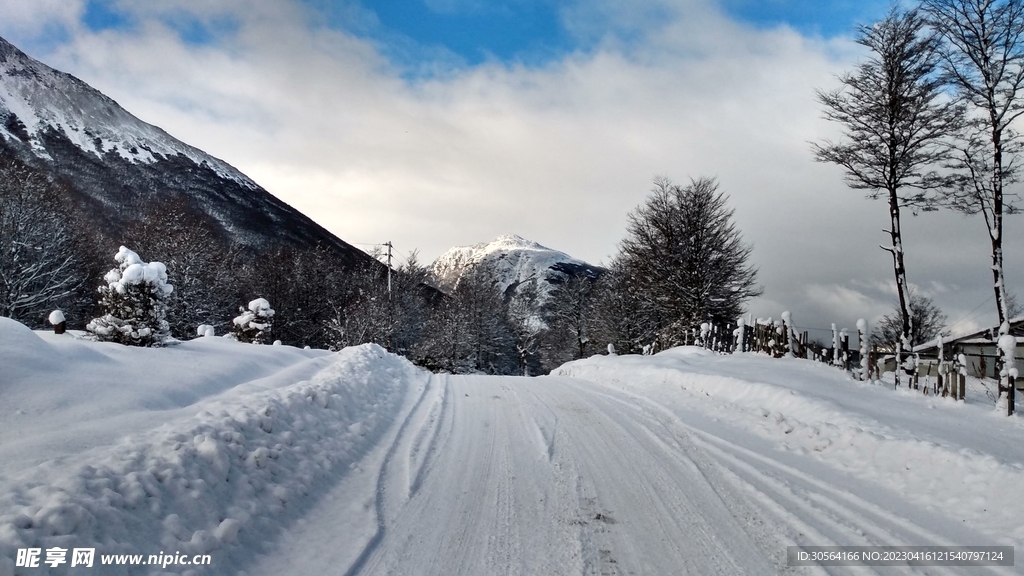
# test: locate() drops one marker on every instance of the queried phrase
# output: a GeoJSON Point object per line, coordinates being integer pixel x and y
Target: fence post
{"type": "Point", "coordinates": [835, 345]}
{"type": "Point", "coordinates": [862, 334]}
{"type": "Point", "coordinates": [844, 339]}
{"type": "Point", "coordinates": [741, 335]}
{"type": "Point", "coordinates": [899, 364]}
{"type": "Point", "coordinates": [1011, 392]}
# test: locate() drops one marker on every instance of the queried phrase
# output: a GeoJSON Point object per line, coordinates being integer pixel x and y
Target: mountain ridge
{"type": "Point", "coordinates": [117, 166]}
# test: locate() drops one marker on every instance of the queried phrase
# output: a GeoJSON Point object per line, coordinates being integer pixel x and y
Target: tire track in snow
{"type": "Point", "coordinates": [830, 516]}
{"type": "Point", "coordinates": [382, 480]}
{"type": "Point", "coordinates": [547, 433]}
{"type": "Point", "coordinates": [429, 454]}
{"type": "Point", "coordinates": [699, 516]}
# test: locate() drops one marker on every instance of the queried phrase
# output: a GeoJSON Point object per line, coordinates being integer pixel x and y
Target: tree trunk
{"type": "Point", "coordinates": [901, 281]}
{"type": "Point", "coordinates": [995, 233]}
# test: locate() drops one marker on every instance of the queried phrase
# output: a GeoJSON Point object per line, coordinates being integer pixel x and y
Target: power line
{"type": "Point", "coordinates": [969, 314]}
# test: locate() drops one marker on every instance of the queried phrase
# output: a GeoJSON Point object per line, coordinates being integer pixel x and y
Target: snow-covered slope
{"type": "Point", "coordinates": [35, 98]}
{"type": "Point", "coordinates": [207, 447]}
{"type": "Point", "coordinates": [116, 166]}
{"type": "Point", "coordinates": [512, 261]}
{"type": "Point", "coordinates": [276, 460]}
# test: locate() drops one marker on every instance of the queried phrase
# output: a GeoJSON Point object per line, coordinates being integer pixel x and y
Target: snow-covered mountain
{"type": "Point", "coordinates": [116, 165]}
{"type": "Point", "coordinates": [35, 98]}
{"type": "Point", "coordinates": [514, 262]}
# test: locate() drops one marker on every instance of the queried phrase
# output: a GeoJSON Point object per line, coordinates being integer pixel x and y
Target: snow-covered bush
{"type": "Point", "coordinates": [253, 325]}
{"type": "Point", "coordinates": [134, 302]}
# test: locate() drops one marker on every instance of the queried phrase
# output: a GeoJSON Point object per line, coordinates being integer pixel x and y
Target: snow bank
{"type": "Point", "coordinates": [939, 454]}
{"type": "Point", "coordinates": [217, 483]}
{"type": "Point", "coordinates": [18, 341]}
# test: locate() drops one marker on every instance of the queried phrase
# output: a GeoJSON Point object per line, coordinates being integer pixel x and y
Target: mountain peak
{"type": "Point", "coordinates": [513, 261]}
{"type": "Point", "coordinates": [514, 241]}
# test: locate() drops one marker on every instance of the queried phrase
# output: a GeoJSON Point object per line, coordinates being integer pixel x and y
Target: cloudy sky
{"type": "Point", "coordinates": [434, 123]}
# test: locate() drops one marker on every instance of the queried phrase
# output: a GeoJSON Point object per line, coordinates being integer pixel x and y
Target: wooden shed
{"type": "Point", "coordinates": [979, 348]}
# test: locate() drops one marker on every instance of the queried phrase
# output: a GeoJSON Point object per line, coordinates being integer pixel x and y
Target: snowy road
{"type": "Point", "coordinates": [274, 460]}
{"type": "Point", "coordinates": [555, 475]}
{"type": "Point", "coordinates": [538, 476]}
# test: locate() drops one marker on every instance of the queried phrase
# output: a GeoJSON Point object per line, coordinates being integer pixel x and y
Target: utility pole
{"type": "Point", "coordinates": [388, 244]}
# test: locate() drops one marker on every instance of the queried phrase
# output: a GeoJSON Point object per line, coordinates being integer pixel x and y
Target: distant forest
{"type": "Point", "coordinates": [681, 264]}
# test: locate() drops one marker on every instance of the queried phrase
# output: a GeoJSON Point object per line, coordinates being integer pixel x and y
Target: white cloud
{"type": "Point", "coordinates": [558, 153]}
{"type": "Point", "coordinates": [29, 17]}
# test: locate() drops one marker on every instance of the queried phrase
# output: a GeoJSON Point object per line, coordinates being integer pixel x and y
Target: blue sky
{"type": "Point", "coordinates": [532, 31]}
{"type": "Point", "coordinates": [811, 17]}
{"type": "Point", "coordinates": [413, 33]}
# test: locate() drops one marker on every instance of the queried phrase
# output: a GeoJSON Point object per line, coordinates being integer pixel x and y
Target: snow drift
{"type": "Point", "coordinates": [225, 479]}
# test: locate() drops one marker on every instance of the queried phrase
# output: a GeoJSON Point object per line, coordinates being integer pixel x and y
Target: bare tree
{"type": "Point", "coordinates": [928, 320]}
{"type": "Point", "coordinates": [896, 123]}
{"type": "Point", "coordinates": [983, 59]}
{"type": "Point", "coordinates": [371, 312]}
{"type": "Point", "coordinates": [40, 264]}
{"type": "Point", "coordinates": [569, 312]}
{"type": "Point", "coordinates": [468, 330]}
{"type": "Point", "coordinates": [526, 327]}
{"type": "Point", "coordinates": [203, 268]}
{"type": "Point", "coordinates": [684, 257]}
{"type": "Point", "coordinates": [622, 315]}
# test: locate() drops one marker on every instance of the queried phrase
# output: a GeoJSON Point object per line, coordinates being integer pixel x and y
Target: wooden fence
{"type": "Point", "coordinates": [934, 376]}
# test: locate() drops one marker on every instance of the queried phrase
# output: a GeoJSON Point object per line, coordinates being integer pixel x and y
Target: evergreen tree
{"type": "Point", "coordinates": [134, 303]}
{"type": "Point", "coordinates": [254, 323]}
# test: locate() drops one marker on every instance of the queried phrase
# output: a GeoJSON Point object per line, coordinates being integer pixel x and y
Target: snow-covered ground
{"type": "Point", "coordinates": [276, 460]}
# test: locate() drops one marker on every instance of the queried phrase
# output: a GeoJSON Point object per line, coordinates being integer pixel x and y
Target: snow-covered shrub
{"type": "Point", "coordinates": [253, 325]}
{"type": "Point", "coordinates": [134, 302]}
{"type": "Point", "coordinates": [205, 330]}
